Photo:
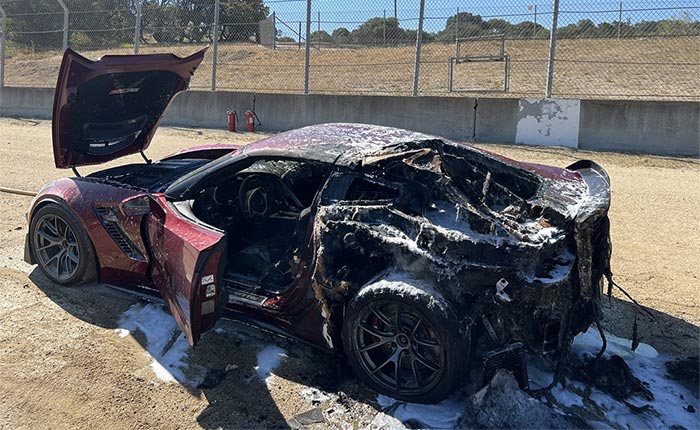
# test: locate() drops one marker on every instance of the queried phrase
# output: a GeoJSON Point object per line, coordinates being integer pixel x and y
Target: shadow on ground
{"type": "Point", "coordinates": [238, 397]}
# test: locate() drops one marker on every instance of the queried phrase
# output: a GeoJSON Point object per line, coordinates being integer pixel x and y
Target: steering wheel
{"type": "Point", "coordinates": [257, 198]}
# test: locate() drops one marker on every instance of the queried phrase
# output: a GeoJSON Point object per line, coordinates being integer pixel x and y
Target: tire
{"type": "Point", "coordinates": [60, 246]}
{"type": "Point", "coordinates": [421, 361]}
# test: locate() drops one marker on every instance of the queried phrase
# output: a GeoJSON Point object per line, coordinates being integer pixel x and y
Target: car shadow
{"type": "Point", "coordinates": [666, 333]}
{"type": "Point", "coordinates": [239, 396]}
{"type": "Point", "coordinates": [226, 362]}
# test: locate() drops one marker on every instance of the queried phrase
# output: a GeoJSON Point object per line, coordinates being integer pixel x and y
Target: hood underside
{"type": "Point", "coordinates": [110, 108]}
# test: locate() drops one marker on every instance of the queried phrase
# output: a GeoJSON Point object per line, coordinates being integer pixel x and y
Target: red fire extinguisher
{"type": "Point", "coordinates": [250, 121]}
{"type": "Point", "coordinates": [232, 120]}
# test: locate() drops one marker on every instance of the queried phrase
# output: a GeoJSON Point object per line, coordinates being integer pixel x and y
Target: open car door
{"type": "Point", "coordinates": [186, 263]}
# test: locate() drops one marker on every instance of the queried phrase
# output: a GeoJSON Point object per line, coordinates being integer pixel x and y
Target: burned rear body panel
{"type": "Point", "coordinates": [519, 252]}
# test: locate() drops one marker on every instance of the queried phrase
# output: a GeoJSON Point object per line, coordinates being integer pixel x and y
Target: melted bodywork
{"type": "Point", "coordinates": [519, 253]}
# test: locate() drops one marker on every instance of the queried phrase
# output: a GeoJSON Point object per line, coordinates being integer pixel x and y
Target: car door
{"type": "Point", "coordinates": [186, 263]}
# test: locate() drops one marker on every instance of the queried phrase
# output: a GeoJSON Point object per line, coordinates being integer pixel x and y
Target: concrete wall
{"type": "Point", "coordinates": [452, 117]}
{"type": "Point", "coordinates": [496, 120]}
{"type": "Point", "coordinates": [26, 102]}
{"type": "Point", "coordinates": [667, 128]}
{"type": "Point", "coordinates": [664, 128]}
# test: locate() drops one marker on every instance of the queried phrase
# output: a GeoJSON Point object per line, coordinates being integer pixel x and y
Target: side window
{"type": "Point", "coordinates": [362, 189]}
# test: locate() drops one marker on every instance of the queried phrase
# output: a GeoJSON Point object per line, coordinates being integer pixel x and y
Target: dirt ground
{"type": "Point", "coordinates": [63, 366]}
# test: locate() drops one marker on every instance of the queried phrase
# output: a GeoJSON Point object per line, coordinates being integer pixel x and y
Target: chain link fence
{"type": "Point", "coordinates": [639, 49]}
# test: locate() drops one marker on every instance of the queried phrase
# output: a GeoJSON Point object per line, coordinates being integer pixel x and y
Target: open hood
{"type": "Point", "coordinates": [109, 108]}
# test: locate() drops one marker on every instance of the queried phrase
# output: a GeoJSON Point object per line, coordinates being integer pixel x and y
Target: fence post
{"type": "Point", "coordinates": [65, 24]}
{"type": "Point", "coordinates": [619, 21]}
{"type": "Point", "coordinates": [552, 49]}
{"type": "Point", "coordinates": [457, 25]}
{"type": "Point", "coordinates": [274, 31]}
{"type": "Point", "coordinates": [307, 47]}
{"type": "Point", "coordinates": [384, 30]}
{"type": "Point", "coordinates": [457, 34]}
{"type": "Point", "coordinates": [215, 50]}
{"type": "Point", "coordinates": [419, 42]}
{"type": "Point", "coordinates": [534, 26]}
{"type": "Point", "coordinates": [3, 39]}
{"type": "Point", "coordinates": [318, 32]}
{"type": "Point", "coordinates": [299, 34]}
{"type": "Point", "coordinates": [137, 27]}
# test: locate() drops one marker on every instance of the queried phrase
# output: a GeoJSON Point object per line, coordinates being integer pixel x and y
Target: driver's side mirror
{"type": "Point", "coordinates": [136, 206]}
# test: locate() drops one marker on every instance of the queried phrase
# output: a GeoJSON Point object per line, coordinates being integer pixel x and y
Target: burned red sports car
{"type": "Point", "coordinates": [406, 252]}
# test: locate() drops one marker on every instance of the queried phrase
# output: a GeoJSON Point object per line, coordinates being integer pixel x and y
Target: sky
{"type": "Point", "coordinates": [351, 13]}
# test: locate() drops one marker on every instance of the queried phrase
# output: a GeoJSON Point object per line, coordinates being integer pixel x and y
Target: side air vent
{"type": "Point", "coordinates": [108, 218]}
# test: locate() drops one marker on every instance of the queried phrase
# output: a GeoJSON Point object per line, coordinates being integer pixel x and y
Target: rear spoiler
{"type": "Point", "coordinates": [598, 183]}
{"type": "Point", "coordinates": [591, 166]}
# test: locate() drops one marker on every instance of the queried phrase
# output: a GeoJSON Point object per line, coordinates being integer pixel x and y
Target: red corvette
{"type": "Point", "coordinates": [411, 254]}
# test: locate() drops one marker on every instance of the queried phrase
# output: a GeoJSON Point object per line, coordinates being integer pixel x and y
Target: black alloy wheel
{"type": "Point", "coordinates": [61, 247]}
{"type": "Point", "coordinates": [402, 347]}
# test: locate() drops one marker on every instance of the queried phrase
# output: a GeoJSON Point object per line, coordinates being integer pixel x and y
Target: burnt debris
{"type": "Point", "coordinates": [497, 240]}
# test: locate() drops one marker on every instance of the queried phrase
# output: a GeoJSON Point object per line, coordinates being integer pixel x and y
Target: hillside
{"type": "Point", "coordinates": [587, 68]}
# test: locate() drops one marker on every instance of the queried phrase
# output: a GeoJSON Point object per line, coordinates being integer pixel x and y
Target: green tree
{"type": "Point", "coordinates": [498, 26]}
{"type": "Point", "coordinates": [239, 19]}
{"type": "Point", "coordinates": [372, 32]}
{"type": "Point", "coordinates": [341, 36]}
{"type": "Point", "coordinates": [463, 24]}
{"type": "Point", "coordinates": [320, 36]}
{"type": "Point", "coordinates": [101, 23]}
{"type": "Point", "coordinates": [159, 19]}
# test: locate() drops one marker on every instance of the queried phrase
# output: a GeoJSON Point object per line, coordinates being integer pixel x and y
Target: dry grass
{"type": "Point", "coordinates": [610, 68]}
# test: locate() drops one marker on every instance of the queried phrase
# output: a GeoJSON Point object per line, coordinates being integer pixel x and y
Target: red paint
{"type": "Point", "coordinates": [182, 252]}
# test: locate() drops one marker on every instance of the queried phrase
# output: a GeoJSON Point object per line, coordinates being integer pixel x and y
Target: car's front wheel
{"type": "Point", "coordinates": [61, 247]}
{"type": "Point", "coordinates": [404, 341]}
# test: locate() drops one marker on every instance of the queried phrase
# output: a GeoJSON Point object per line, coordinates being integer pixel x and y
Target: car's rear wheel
{"type": "Point", "coordinates": [404, 345]}
{"type": "Point", "coordinates": [60, 245]}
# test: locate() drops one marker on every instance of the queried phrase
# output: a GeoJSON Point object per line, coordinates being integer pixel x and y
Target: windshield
{"type": "Point", "coordinates": [182, 186]}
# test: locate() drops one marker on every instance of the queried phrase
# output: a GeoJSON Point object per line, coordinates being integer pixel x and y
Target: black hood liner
{"type": "Point", "coordinates": [112, 111]}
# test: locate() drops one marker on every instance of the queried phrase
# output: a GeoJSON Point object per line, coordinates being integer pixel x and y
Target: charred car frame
{"type": "Point", "coordinates": [406, 252]}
